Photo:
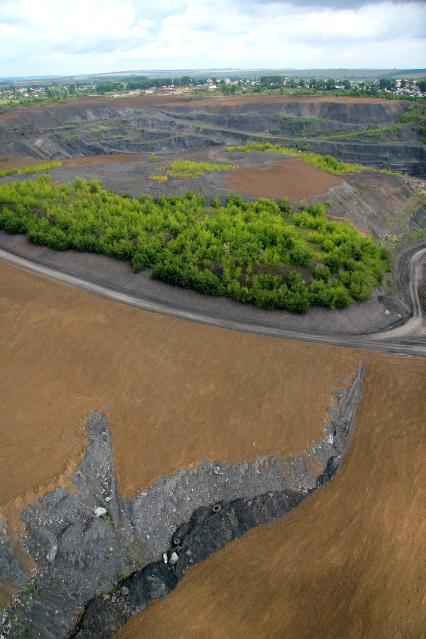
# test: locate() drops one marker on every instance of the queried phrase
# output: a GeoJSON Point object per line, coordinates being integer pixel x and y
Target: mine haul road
{"type": "Point", "coordinates": [408, 339]}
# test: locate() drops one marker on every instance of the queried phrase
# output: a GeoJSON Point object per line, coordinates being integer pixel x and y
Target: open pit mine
{"type": "Point", "coordinates": [213, 390]}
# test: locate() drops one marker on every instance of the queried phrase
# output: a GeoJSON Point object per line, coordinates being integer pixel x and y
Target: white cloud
{"type": "Point", "coordinates": [62, 37]}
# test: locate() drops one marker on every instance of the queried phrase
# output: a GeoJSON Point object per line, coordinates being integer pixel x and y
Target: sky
{"type": "Point", "coordinates": [67, 37]}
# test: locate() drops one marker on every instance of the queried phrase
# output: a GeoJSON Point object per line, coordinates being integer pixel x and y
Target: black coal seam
{"type": "Point", "coordinates": [208, 530]}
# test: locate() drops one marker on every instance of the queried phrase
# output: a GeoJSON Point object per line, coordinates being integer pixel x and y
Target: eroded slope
{"type": "Point", "coordinates": [174, 391]}
{"type": "Point", "coordinates": [349, 562]}
{"type": "Point", "coordinates": [148, 123]}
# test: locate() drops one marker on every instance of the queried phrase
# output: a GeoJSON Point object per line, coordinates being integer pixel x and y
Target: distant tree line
{"type": "Point", "coordinates": [142, 83]}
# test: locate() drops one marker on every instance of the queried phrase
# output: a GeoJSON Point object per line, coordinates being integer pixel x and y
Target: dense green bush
{"type": "Point", "coordinates": [260, 252]}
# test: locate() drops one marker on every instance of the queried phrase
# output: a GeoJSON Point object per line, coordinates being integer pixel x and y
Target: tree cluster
{"type": "Point", "coordinates": [260, 252]}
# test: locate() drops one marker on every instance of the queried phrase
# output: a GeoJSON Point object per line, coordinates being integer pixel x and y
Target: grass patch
{"type": "Point", "coordinates": [159, 178]}
{"type": "Point", "coordinates": [187, 170]}
{"type": "Point", "coordinates": [260, 252]}
{"type": "Point", "coordinates": [33, 168]}
{"type": "Point", "coordinates": [32, 589]}
{"type": "Point", "coordinates": [326, 163]}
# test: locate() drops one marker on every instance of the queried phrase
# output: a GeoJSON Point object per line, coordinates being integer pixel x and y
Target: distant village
{"type": "Point", "coordinates": [21, 93]}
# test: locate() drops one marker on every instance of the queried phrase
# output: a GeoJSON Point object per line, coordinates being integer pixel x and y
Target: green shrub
{"type": "Point", "coordinates": [259, 252]}
{"type": "Point", "coordinates": [187, 170]}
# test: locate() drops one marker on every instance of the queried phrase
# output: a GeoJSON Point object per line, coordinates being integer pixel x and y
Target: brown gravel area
{"type": "Point", "coordinates": [348, 563]}
{"type": "Point", "coordinates": [293, 179]}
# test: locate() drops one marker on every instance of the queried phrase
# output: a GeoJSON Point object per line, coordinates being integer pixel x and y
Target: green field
{"type": "Point", "coordinates": [260, 252]}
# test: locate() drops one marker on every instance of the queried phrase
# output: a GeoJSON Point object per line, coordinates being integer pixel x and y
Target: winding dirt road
{"type": "Point", "coordinates": [406, 340]}
{"type": "Point", "coordinates": [416, 325]}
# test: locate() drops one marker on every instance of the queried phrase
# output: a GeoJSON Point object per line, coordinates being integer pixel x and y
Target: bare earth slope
{"type": "Point", "coordinates": [177, 393]}
{"type": "Point", "coordinates": [174, 391]}
{"type": "Point", "coordinates": [349, 562]}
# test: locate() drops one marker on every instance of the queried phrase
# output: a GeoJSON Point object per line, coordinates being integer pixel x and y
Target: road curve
{"type": "Point", "coordinates": [406, 340]}
{"type": "Point", "coordinates": [416, 325]}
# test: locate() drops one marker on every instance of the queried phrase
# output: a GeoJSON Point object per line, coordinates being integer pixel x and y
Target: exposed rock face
{"type": "Point", "coordinates": [418, 219]}
{"type": "Point", "coordinates": [395, 156]}
{"type": "Point", "coordinates": [71, 130]}
{"type": "Point", "coordinates": [83, 542]}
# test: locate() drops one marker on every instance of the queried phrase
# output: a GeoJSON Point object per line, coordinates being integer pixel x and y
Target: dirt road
{"type": "Point", "coordinates": [416, 325]}
{"type": "Point", "coordinates": [401, 342]}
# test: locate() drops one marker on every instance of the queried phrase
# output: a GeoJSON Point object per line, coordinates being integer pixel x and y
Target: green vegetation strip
{"type": "Point", "coordinates": [326, 163]}
{"type": "Point", "coordinates": [260, 252]}
{"type": "Point", "coordinates": [159, 178]}
{"type": "Point", "coordinates": [33, 168]}
{"type": "Point", "coordinates": [187, 170]}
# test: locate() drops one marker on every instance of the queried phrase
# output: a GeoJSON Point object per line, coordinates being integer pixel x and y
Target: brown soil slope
{"type": "Point", "coordinates": [293, 179]}
{"type": "Point", "coordinates": [175, 392]}
{"type": "Point", "coordinates": [349, 562]}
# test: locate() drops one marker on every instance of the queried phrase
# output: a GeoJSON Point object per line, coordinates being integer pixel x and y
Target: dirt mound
{"type": "Point", "coordinates": [347, 563]}
{"type": "Point", "coordinates": [293, 179]}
